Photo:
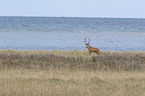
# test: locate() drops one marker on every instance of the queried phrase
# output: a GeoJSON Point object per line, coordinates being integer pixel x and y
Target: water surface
{"type": "Point", "coordinates": [66, 33]}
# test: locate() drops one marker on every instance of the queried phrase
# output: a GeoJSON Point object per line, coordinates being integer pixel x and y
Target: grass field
{"type": "Point", "coordinates": [53, 82]}
{"type": "Point", "coordinates": [71, 73]}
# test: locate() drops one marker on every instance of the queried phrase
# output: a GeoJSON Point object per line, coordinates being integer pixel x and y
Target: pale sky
{"type": "Point", "coordinates": [74, 8]}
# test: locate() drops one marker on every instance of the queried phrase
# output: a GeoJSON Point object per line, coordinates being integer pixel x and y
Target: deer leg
{"type": "Point", "coordinates": [97, 52]}
{"type": "Point", "coordinates": [90, 52]}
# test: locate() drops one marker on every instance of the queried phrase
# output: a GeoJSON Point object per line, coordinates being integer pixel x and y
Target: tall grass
{"type": "Point", "coordinates": [75, 59]}
{"type": "Point", "coordinates": [71, 73]}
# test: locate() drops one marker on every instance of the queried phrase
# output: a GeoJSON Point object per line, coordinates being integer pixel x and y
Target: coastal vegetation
{"type": "Point", "coordinates": [75, 59]}
{"type": "Point", "coordinates": [71, 73]}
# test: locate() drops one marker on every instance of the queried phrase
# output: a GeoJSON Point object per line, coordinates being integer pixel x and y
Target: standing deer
{"type": "Point", "coordinates": [91, 49]}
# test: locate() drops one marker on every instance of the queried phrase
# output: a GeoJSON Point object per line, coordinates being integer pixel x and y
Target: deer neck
{"type": "Point", "coordinates": [88, 47]}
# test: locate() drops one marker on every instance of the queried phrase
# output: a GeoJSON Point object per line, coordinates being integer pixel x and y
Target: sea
{"type": "Point", "coordinates": [68, 33]}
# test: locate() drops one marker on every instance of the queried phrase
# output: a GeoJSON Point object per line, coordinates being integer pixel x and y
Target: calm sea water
{"type": "Point", "coordinates": [66, 33]}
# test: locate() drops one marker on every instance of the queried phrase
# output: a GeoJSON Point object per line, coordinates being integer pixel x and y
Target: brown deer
{"type": "Point", "coordinates": [91, 49]}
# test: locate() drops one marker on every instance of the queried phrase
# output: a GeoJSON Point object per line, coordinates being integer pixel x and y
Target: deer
{"type": "Point", "coordinates": [91, 49]}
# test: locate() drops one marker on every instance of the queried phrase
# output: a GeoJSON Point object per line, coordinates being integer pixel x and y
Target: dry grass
{"type": "Point", "coordinates": [75, 59]}
{"type": "Point", "coordinates": [71, 73]}
{"type": "Point", "coordinates": [57, 82]}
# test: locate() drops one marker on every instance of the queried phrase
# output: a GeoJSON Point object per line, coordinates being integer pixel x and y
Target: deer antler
{"type": "Point", "coordinates": [85, 40]}
{"type": "Point", "coordinates": [89, 40]}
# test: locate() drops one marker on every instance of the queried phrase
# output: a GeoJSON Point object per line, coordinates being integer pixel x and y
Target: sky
{"type": "Point", "coordinates": [74, 8]}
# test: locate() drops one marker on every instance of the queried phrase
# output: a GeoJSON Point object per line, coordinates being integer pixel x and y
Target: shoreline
{"type": "Point", "coordinates": [73, 50]}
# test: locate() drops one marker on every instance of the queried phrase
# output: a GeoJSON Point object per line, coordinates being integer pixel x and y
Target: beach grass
{"type": "Point", "coordinates": [71, 73]}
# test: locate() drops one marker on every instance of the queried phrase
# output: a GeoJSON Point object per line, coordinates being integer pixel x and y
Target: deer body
{"type": "Point", "coordinates": [92, 49]}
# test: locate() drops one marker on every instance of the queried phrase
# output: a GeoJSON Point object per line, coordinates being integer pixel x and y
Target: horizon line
{"type": "Point", "coordinates": [77, 16]}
